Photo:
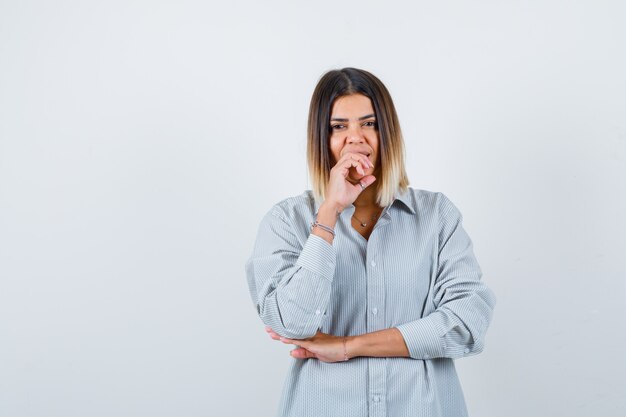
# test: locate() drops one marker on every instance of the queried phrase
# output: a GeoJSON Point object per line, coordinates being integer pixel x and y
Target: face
{"type": "Point", "coordinates": [353, 128]}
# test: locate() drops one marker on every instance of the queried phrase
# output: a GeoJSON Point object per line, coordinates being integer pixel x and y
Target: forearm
{"type": "Point", "coordinates": [290, 279]}
{"type": "Point", "coordinates": [383, 343]}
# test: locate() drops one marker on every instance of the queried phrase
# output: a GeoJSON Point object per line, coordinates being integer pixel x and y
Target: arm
{"type": "Point", "coordinates": [463, 303]}
{"type": "Point", "coordinates": [456, 327]}
{"type": "Point", "coordinates": [290, 281]}
{"type": "Point", "coordinates": [383, 343]}
{"type": "Point", "coordinates": [329, 348]}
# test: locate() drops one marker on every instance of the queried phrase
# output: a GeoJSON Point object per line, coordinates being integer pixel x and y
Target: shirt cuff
{"type": "Point", "coordinates": [423, 338]}
{"type": "Point", "coordinates": [318, 256]}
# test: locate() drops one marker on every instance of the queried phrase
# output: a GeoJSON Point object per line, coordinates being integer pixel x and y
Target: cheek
{"type": "Point", "coordinates": [335, 149]}
{"type": "Point", "coordinates": [374, 144]}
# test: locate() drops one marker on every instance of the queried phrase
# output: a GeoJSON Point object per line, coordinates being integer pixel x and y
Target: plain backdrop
{"type": "Point", "coordinates": [142, 141]}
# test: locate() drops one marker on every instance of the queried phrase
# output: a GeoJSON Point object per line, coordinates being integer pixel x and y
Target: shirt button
{"type": "Point", "coordinates": [317, 312]}
{"type": "Point", "coordinates": [373, 264]}
{"type": "Point", "coordinates": [426, 356]}
{"type": "Point", "coordinates": [376, 399]}
{"type": "Point", "coordinates": [374, 311]}
{"type": "Point", "coordinates": [466, 350]}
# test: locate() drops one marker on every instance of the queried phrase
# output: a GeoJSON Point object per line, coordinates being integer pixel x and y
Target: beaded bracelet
{"type": "Point", "coordinates": [323, 227]}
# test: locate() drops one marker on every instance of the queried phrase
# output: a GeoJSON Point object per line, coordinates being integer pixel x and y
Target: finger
{"type": "Point", "coordinates": [364, 183]}
{"type": "Point", "coordinates": [367, 180]}
{"type": "Point", "coordinates": [360, 160]}
{"type": "Point", "coordinates": [364, 159]}
{"type": "Point", "coordinates": [308, 353]}
{"type": "Point", "coordinates": [349, 163]}
{"type": "Point", "coordinates": [360, 170]}
{"type": "Point", "coordinates": [287, 341]}
{"type": "Point", "coordinates": [298, 342]}
{"type": "Point", "coordinates": [301, 353]}
{"type": "Point", "coordinates": [353, 163]}
{"type": "Point", "coordinates": [274, 335]}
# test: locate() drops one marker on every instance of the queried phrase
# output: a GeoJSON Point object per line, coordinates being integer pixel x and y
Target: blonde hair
{"type": "Point", "coordinates": [344, 82]}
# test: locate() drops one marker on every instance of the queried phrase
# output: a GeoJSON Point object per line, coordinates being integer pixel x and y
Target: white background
{"type": "Point", "coordinates": [142, 141]}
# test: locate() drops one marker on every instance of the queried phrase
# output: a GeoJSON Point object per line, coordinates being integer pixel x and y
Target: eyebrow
{"type": "Point", "coordinates": [337, 119]}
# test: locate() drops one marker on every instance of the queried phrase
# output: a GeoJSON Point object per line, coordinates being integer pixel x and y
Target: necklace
{"type": "Point", "coordinates": [363, 224]}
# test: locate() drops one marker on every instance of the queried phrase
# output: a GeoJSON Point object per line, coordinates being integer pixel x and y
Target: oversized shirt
{"type": "Point", "coordinates": [417, 272]}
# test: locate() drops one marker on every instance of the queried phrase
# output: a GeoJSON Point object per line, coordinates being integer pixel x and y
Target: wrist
{"type": "Point", "coordinates": [331, 207]}
{"type": "Point", "coordinates": [328, 214]}
{"type": "Point", "coordinates": [352, 346]}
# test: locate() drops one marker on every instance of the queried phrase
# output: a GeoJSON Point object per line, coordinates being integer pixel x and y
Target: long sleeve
{"type": "Point", "coordinates": [290, 277]}
{"type": "Point", "coordinates": [463, 303]}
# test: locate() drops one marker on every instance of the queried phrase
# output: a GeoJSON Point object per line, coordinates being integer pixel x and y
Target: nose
{"type": "Point", "coordinates": [354, 134]}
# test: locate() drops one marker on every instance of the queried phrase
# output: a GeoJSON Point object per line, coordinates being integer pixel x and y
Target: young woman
{"type": "Point", "coordinates": [376, 283]}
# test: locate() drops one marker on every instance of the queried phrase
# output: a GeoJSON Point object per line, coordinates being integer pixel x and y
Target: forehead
{"type": "Point", "coordinates": [354, 105]}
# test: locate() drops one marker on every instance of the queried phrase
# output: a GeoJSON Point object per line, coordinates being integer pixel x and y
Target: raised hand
{"type": "Point", "coordinates": [348, 178]}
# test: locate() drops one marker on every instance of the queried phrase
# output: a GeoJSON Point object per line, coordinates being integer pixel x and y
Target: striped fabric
{"type": "Point", "coordinates": [417, 272]}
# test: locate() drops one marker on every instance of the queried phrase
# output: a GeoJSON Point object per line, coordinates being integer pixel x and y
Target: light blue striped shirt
{"type": "Point", "coordinates": [417, 272]}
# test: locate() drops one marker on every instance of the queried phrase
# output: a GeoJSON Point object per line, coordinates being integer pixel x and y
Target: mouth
{"type": "Point", "coordinates": [362, 152]}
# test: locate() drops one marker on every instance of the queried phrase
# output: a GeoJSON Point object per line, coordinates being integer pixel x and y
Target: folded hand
{"type": "Point", "coordinates": [322, 346]}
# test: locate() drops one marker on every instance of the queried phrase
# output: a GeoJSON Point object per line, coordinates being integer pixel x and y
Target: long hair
{"type": "Point", "coordinates": [344, 82]}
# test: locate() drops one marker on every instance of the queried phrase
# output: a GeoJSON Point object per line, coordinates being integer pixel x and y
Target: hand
{"type": "Point", "coordinates": [345, 176]}
{"type": "Point", "coordinates": [322, 346]}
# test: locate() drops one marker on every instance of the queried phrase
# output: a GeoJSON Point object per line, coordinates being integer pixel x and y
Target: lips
{"type": "Point", "coordinates": [361, 151]}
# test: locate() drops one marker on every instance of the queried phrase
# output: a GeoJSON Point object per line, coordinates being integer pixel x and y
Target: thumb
{"type": "Point", "coordinates": [368, 180]}
{"type": "Point", "coordinates": [302, 353]}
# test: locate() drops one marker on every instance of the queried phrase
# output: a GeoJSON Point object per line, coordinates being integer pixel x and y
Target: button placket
{"type": "Point", "coordinates": [377, 367]}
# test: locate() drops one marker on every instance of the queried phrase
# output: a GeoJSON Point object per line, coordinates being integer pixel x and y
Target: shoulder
{"type": "Point", "coordinates": [436, 208]}
{"type": "Point", "coordinates": [429, 201]}
{"type": "Point", "coordinates": [294, 206]}
{"type": "Point", "coordinates": [290, 217]}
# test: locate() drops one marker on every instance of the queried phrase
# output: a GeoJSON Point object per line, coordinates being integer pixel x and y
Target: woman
{"type": "Point", "coordinates": [375, 282]}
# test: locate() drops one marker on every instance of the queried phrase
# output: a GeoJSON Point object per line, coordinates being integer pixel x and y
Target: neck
{"type": "Point", "coordinates": [367, 199]}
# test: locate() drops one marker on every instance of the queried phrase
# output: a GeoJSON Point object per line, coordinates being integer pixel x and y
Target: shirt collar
{"type": "Point", "coordinates": [404, 198]}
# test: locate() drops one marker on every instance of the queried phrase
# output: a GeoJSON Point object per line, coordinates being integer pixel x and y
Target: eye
{"type": "Point", "coordinates": [336, 127]}
{"type": "Point", "coordinates": [370, 123]}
